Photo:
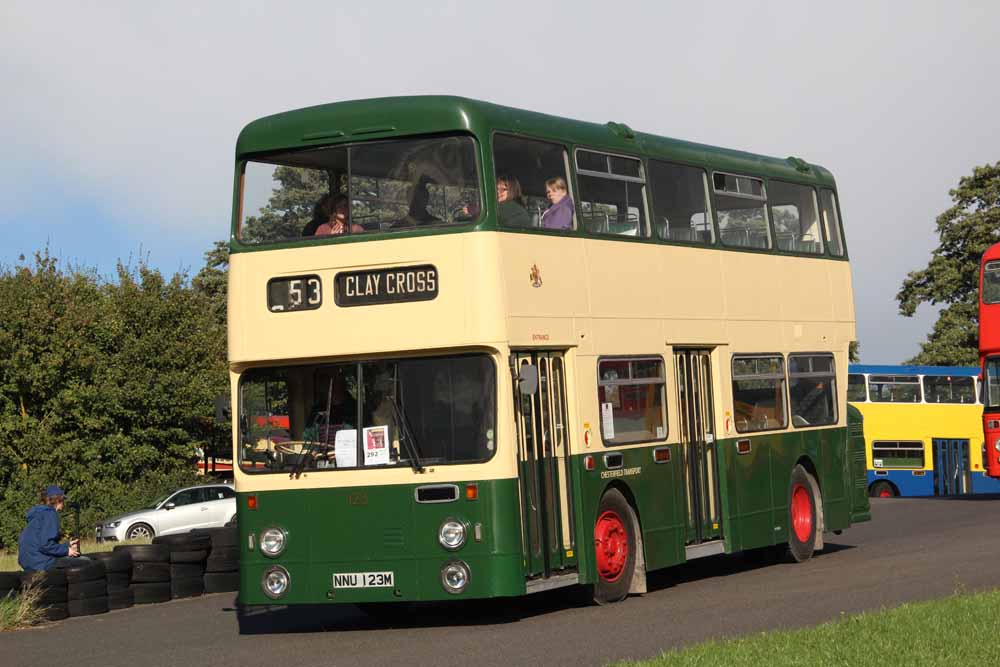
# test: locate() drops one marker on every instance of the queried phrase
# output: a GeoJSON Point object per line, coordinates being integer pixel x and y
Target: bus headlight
{"type": "Point", "coordinates": [996, 445]}
{"type": "Point", "coordinates": [451, 535]}
{"type": "Point", "coordinates": [455, 577]}
{"type": "Point", "coordinates": [275, 582]}
{"type": "Point", "coordinates": [272, 542]}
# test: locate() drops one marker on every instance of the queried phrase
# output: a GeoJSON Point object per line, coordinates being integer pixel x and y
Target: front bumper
{"type": "Point", "coordinates": [105, 534]}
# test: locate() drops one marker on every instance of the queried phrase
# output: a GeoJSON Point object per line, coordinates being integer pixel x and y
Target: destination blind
{"type": "Point", "coordinates": [396, 285]}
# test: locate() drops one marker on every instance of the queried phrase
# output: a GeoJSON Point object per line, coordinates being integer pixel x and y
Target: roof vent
{"type": "Point", "coordinates": [799, 164]}
{"type": "Point", "coordinates": [622, 130]}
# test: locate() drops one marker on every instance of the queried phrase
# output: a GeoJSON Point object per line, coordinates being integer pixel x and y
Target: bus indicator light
{"type": "Point", "coordinates": [472, 491]}
{"type": "Point", "coordinates": [252, 502]}
{"type": "Point", "coordinates": [588, 462]}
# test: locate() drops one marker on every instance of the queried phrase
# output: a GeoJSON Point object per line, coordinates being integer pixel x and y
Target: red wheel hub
{"type": "Point", "coordinates": [611, 545]}
{"type": "Point", "coordinates": [802, 519]}
{"type": "Point", "coordinates": [885, 493]}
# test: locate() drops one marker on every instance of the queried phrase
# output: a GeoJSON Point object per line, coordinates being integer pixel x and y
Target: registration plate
{"type": "Point", "coordinates": [363, 580]}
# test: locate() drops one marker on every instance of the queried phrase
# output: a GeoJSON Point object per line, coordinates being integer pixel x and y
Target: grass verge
{"type": "Point", "coordinates": [20, 611]}
{"type": "Point", "coordinates": [958, 630]}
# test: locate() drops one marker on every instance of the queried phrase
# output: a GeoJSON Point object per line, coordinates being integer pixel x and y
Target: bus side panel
{"type": "Point", "coordinates": [830, 447]}
{"type": "Point", "coordinates": [749, 502]}
{"type": "Point", "coordinates": [655, 489]}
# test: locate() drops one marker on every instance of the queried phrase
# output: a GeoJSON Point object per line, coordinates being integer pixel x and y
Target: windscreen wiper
{"type": "Point", "coordinates": [307, 451]}
{"type": "Point", "coordinates": [408, 438]}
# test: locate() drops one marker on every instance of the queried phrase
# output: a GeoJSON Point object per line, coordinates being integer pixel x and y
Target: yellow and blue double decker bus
{"type": "Point", "coordinates": [923, 429]}
{"type": "Point", "coordinates": [477, 352]}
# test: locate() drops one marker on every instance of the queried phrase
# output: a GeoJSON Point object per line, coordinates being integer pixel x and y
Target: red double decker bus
{"type": "Point", "coordinates": [989, 356]}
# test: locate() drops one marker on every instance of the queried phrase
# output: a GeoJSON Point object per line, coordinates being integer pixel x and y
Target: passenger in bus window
{"type": "Point", "coordinates": [421, 198]}
{"type": "Point", "coordinates": [511, 210]}
{"type": "Point", "coordinates": [333, 210]}
{"type": "Point", "coordinates": [560, 214]}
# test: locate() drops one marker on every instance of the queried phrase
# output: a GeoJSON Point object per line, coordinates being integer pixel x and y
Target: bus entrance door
{"type": "Point", "coordinates": [693, 370]}
{"type": "Point", "coordinates": [951, 466]}
{"type": "Point", "coordinates": [543, 447]}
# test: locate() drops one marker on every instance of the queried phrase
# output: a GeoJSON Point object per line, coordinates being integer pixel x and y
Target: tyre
{"type": "Point", "coordinates": [149, 553]}
{"type": "Point", "coordinates": [219, 565]}
{"type": "Point", "coordinates": [88, 571]}
{"type": "Point", "coordinates": [10, 580]}
{"type": "Point", "coordinates": [150, 573]}
{"type": "Point", "coordinates": [114, 561]}
{"type": "Point", "coordinates": [189, 556]}
{"type": "Point", "coordinates": [121, 599]}
{"type": "Point", "coordinates": [614, 544]}
{"type": "Point", "coordinates": [119, 580]}
{"type": "Point", "coordinates": [88, 606]}
{"type": "Point", "coordinates": [227, 536]}
{"type": "Point", "coordinates": [881, 489]}
{"type": "Point", "coordinates": [139, 531]}
{"type": "Point", "coordinates": [151, 592]}
{"type": "Point", "coordinates": [185, 541]}
{"type": "Point", "coordinates": [56, 612]}
{"type": "Point", "coordinates": [54, 595]}
{"type": "Point", "coordinates": [96, 588]}
{"type": "Point", "coordinates": [186, 587]}
{"type": "Point", "coordinates": [801, 515]}
{"type": "Point", "coordinates": [185, 570]}
{"type": "Point", "coordinates": [222, 582]}
{"type": "Point", "coordinates": [44, 579]}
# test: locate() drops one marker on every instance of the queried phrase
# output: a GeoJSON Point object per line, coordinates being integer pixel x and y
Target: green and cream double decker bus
{"type": "Point", "coordinates": [479, 352]}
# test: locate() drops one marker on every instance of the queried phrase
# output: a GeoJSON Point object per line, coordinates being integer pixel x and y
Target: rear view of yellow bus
{"type": "Point", "coordinates": [480, 352]}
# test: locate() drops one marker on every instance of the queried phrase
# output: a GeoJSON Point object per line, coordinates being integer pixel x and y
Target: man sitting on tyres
{"type": "Point", "coordinates": [38, 546]}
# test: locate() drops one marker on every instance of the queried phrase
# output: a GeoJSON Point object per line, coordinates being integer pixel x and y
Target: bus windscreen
{"type": "Point", "coordinates": [379, 186]}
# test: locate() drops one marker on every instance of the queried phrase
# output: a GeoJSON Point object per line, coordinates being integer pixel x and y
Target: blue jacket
{"type": "Point", "coordinates": [38, 546]}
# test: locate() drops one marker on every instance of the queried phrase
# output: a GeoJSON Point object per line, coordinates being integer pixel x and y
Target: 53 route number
{"type": "Point", "coordinates": [295, 293]}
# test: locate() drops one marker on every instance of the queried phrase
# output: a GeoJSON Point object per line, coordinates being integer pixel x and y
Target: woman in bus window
{"type": "Point", "coordinates": [512, 211]}
{"type": "Point", "coordinates": [334, 210]}
{"type": "Point", "coordinates": [560, 214]}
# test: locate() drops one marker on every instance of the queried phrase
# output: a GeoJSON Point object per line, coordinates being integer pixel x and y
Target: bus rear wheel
{"type": "Point", "coordinates": [802, 514]}
{"type": "Point", "coordinates": [614, 548]}
{"type": "Point", "coordinates": [881, 489]}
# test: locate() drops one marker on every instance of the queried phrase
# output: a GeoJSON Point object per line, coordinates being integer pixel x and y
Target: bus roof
{"type": "Point", "coordinates": [385, 117]}
{"type": "Point", "coordinates": [913, 370]}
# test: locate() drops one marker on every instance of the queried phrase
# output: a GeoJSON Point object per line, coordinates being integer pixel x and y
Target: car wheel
{"type": "Point", "coordinates": [140, 531]}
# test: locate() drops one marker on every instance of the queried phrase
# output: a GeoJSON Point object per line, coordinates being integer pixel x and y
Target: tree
{"type": "Point", "coordinates": [290, 206]}
{"type": "Point", "coordinates": [966, 230]}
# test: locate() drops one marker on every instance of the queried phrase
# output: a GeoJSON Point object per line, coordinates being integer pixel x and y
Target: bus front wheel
{"type": "Point", "coordinates": [614, 548]}
{"type": "Point", "coordinates": [802, 515]}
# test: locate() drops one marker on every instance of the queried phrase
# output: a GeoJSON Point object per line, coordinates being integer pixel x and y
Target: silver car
{"type": "Point", "coordinates": [205, 506]}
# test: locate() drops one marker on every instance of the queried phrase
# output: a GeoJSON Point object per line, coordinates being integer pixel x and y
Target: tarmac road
{"type": "Point", "coordinates": [914, 549]}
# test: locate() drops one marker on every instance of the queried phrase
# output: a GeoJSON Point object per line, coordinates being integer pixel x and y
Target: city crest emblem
{"type": "Point", "coordinates": [536, 276]}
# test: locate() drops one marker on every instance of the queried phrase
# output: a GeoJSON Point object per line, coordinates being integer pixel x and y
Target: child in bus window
{"type": "Point", "coordinates": [333, 210]}
{"type": "Point", "coordinates": [560, 214]}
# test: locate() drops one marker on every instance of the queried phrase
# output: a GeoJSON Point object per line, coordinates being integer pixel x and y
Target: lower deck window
{"type": "Point", "coordinates": [897, 454]}
{"type": "Point", "coordinates": [396, 412]}
{"type": "Point", "coordinates": [812, 389]}
{"type": "Point", "coordinates": [759, 393]}
{"type": "Point", "coordinates": [631, 393]}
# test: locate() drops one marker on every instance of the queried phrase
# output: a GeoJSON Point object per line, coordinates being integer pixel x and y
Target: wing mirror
{"type": "Point", "coordinates": [169, 506]}
{"type": "Point", "coordinates": [527, 379]}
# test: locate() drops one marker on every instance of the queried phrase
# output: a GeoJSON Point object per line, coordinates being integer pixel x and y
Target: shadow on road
{"type": "Point", "coordinates": [337, 617]}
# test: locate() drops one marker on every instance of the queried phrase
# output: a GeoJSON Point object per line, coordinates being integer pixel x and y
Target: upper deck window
{"type": "Point", "coordinates": [533, 185]}
{"type": "Point", "coordinates": [831, 222]}
{"type": "Point", "coordinates": [680, 203]}
{"type": "Point", "coordinates": [796, 218]}
{"type": "Point", "coordinates": [940, 389]}
{"type": "Point", "coordinates": [894, 388]}
{"type": "Point", "coordinates": [857, 390]}
{"type": "Point", "coordinates": [612, 194]}
{"type": "Point", "coordinates": [379, 186]}
{"type": "Point", "coordinates": [991, 282]}
{"type": "Point", "coordinates": [740, 202]}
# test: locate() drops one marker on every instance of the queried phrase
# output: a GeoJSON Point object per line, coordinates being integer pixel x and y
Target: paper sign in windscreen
{"type": "Point", "coordinates": [345, 448]}
{"type": "Point", "coordinates": [376, 445]}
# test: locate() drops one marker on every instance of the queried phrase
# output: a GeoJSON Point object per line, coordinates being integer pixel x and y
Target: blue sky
{"type": "Point", "coordinates": [119, 119]}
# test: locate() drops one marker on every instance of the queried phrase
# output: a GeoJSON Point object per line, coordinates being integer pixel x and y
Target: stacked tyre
{"type": "Point", "coordinates": [10, 584]}
{"type": "Point", "coordinates": [87, 586]}
{"type": "Point", "coordinates": [222, 569]}
{"type": "Point", "coordinates": [53, 595]}
{"type": "Point", "coordinates": [119, 568]}
{"type": "Point", "coordinates": [188, 553]}
{"type": "Point", "coordinates": [150, 580]}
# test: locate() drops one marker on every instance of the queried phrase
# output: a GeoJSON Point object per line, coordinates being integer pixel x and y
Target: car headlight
{"type": "Point", "coordinates": [451, 535]}
{"type": "Point", "coordinates": [112, 524]}
{"type": "Point", "coordinates": [275, 582]}
{"type": "Point", "coordinates": [455, 577]}
{"type": "Point", "coordinates": [272, 542]}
